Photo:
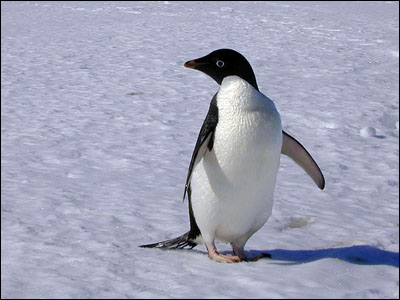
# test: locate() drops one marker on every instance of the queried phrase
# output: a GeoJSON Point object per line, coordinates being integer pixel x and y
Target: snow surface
{"type": "Point", "coordinates": [99, 119]}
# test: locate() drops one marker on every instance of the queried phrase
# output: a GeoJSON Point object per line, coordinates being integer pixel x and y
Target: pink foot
{"type": "Point", "coordinates": [226, 258]}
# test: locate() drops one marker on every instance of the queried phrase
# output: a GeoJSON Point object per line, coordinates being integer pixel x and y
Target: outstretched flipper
{"type": "Point", "coordinates": [292, 148]}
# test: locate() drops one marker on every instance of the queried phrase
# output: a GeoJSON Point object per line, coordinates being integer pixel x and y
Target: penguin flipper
{"type": "Point", "coordinates": [205, 140]}
{"type": "Point", "coordinates": [292, 148]}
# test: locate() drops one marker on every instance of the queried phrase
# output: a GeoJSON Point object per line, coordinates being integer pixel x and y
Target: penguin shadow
{"type": "Point", "coordinates": [359, 254]}
{"type": "Point", "coordinates": [381, 137]}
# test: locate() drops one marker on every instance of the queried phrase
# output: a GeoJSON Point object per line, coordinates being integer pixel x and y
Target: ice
{"type": "Point", "coordinates": [99, 120]}
{"type": "Point", "coordinates": [368, 131]}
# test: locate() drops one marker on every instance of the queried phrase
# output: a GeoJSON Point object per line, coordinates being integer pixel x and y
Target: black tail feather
{"type": "Point", "coordinates": [177, 243]}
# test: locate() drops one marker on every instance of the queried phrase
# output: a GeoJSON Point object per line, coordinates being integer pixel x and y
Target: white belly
{"type": "Point", "coordinates": [233, 186]}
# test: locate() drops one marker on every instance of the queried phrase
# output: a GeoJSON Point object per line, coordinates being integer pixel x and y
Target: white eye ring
{"type": "Point", "coordinates": [220, 63]}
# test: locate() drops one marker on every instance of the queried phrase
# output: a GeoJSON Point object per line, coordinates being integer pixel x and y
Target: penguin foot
{"type": "Point", "coordinates": [218, 257]}
{"type": "Point", "coordinates": [227, 258]}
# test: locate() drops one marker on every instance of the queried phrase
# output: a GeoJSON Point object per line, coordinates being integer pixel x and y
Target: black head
{"type": "Point", "coordinates": [224, 62]}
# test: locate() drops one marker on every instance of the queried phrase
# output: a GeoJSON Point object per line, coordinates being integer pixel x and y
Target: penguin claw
{"type": "Point", "coordinates": [265, 254]}
{"type": "Point", "coordinates": [262, 255]}
{"type": "Point", "coordinates": [253, 259]}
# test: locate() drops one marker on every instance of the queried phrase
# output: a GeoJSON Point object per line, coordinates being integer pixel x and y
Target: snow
{"type": "Point", "coordinates": [99, 119]}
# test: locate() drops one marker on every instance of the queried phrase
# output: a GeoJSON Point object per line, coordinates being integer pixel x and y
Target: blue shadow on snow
{"type": "Point", "coordinates": [360, 255]}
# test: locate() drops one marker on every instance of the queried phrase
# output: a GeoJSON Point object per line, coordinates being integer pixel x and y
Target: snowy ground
{"type": "Point", "coordinates": [99, 119]}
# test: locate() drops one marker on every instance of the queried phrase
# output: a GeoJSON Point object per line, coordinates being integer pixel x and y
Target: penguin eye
{"type": "Point", "coordinates": [220, 63]}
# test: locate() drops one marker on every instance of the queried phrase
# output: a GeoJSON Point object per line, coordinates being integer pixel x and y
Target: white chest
{"type": "Point", "coordinates": [233, 186]}
{"type": "Point", "coordinates": [248, 137]}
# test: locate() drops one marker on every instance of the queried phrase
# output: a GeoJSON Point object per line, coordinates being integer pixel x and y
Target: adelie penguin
{"type": "Point", "coordinates": [232, 174]}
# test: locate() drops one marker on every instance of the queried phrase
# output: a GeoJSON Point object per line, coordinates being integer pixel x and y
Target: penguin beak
{"type": "Point", "coordinates": [192, 64]}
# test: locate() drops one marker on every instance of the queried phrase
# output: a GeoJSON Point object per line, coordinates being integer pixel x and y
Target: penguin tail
{"type": "Point", "coordinates": [180, 242]}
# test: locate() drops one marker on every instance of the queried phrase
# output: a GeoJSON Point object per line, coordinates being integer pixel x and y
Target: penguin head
{"type": "Point", "coordinates": [222, 63]}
